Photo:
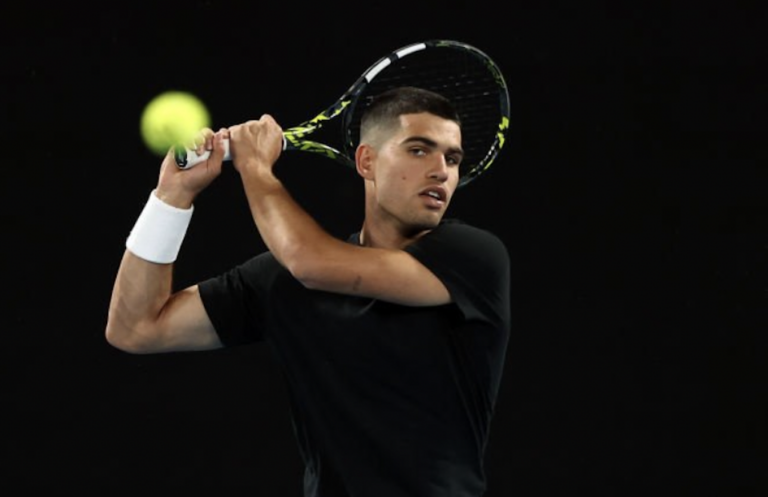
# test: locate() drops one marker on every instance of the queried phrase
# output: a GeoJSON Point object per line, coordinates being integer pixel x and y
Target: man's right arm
{"type": "Point", "coordinates": [146, 317]}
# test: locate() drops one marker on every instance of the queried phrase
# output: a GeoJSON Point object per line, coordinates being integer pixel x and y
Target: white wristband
{"type": "Point", "coordinates": [159, 231]}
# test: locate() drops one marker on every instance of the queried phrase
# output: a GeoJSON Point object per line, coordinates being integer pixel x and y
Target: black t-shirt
{"type": "Point", "coordinates": [386, 400]}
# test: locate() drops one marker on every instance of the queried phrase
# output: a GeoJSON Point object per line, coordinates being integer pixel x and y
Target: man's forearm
{"type": "Point", "coordinates": [140, 291]}
{"type": "Point", "coordinates": [290, 233]}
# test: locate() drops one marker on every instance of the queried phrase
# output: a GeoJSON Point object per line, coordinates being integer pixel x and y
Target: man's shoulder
{"type": "Point", "coordinates": [456, 236]}
{"type": "Point", "coordinates": [461, 228]}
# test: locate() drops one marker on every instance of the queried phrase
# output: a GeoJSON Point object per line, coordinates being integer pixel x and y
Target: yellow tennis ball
{"type": "Point", "coordinates": [172, 118]}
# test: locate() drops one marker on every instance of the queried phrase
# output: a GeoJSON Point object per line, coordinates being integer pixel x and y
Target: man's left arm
{"type": "Point", "coordinates": [314, 257]}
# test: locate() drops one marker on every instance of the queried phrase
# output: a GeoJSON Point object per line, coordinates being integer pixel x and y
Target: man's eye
{"type": "Point", "coordinates": [453, 160]}
{"type": "Point", "coordinates": [418, 151]}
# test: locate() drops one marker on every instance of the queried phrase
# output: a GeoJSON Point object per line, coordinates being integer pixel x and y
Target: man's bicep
{"type": "Point", "coordinates": [185, 323]}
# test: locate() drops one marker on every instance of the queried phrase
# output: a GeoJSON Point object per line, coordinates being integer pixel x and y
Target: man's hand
{"type": "Point", "coordinates": [256, 145]}
{"type": "Point", "coordinates": [179, 187]}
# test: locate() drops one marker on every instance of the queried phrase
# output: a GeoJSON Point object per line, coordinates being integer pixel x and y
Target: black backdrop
{"type": "Point", "coordinates": [631, 195]}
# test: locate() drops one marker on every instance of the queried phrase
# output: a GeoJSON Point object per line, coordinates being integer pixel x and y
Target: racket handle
{"type": "Point", "coordinates": [187, 158]}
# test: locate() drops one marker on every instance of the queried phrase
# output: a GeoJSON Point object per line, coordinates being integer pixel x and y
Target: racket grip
{"type": "Point", "coordinates": [187, 158]}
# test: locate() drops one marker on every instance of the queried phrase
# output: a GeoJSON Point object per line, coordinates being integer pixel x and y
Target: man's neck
{"type": "Point", "coordinates": [390, 238]}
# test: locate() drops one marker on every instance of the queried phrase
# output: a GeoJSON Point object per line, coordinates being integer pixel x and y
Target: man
{"type": "Point", "coordinates": [392, 341]}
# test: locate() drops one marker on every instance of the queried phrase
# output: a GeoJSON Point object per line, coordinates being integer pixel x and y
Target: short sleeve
{"type": "Point", "coordinates": [473, 264]}
{"type": "Point", "coordinates": [235, 300]}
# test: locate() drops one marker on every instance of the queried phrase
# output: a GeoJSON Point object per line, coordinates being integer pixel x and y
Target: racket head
{"type": "Point", "coordinates": [461, 72]}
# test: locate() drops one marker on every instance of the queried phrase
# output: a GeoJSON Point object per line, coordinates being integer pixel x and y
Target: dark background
{"type": "Point", "coordinates": [631, 195]}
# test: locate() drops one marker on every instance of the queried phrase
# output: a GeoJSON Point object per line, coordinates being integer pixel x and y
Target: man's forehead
{"type": "Point", "coordinates": [437, 129]}
{"type": "Point", "coordinates": [417, 123]}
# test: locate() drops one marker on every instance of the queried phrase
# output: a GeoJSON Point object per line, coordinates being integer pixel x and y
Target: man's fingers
{"type": "Point", "coordinates": [202, 141]}
{"type": "Point", "coordinates": [218, 147]}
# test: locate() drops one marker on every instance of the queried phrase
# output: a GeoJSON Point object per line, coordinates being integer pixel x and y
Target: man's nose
{"type": "Point", "coordinates": [439, 169]}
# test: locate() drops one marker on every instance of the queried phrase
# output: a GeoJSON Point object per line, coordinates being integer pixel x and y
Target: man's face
{"type": "Point", "coordinates": [417, 170]}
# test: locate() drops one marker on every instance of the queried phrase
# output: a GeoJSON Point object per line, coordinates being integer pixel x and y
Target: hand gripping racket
{"type": "Point", "coordinates": [458, 71]}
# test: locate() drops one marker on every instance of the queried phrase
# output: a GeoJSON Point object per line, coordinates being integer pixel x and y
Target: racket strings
{"type": "Point", "coordinates": [467, 80]}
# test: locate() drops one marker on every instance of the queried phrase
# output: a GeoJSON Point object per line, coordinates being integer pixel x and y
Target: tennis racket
{"type": "Point", "coordinates": [462, 73]}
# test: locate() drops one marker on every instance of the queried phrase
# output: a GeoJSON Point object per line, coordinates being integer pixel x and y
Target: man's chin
{"type": "Point", "coordinates": [426, 223]}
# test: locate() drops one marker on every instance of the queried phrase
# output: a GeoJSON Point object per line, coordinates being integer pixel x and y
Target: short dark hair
{"type": "Point", "coordinates": [391, 104]}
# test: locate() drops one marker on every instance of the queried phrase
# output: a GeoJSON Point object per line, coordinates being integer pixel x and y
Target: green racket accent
{"type": "Point", "coordinates": [294, 136]}
{"type": "Point", "coordinates": [492, 153]}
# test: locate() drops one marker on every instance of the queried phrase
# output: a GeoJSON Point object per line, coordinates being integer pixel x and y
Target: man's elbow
{"type": "Point", "coordinates": [314, 276]}
{"type": "Point", "coordinates": [126, 339]}
{"type": "Point", "coordinates": [303, 264]}
{"type": "Point", "coordinates": [318, 267]}
{"type": "Point", "coordinates": [308, 277]}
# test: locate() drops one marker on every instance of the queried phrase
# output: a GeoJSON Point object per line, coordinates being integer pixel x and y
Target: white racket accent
{"type": "Point", "coordinates": [413, 48]}
{"type": "Point", "coordinates": [376, 70]}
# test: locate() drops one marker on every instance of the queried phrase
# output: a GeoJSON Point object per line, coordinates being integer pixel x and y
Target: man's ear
{"type": "Point", "coordinates": [365, 158]}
